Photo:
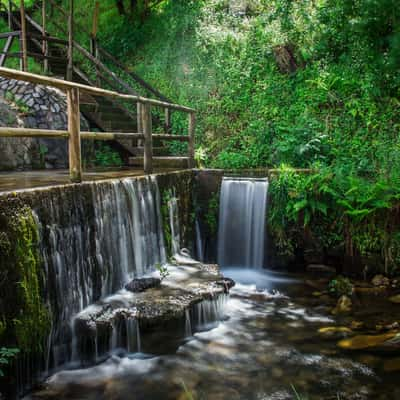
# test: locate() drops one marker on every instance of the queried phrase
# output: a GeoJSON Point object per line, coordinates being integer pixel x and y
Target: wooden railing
{"type": "Point", "coordinates": [74, 134]}
{"type": "Point", "coordinates": [100, 68]}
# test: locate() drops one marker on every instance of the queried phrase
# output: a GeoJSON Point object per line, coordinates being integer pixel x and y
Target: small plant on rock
{"type": "Point", "coordinates": [341, 286]}
{"type": "Point", "coordinates": [162, 270]}
{"type": "Point", "coordinates": [6, 354]}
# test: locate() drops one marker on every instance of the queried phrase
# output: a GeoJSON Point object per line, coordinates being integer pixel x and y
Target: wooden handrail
{"type": "Point", "coordinates": [73, 133]}
{"type": "Point", "coordinates": [65, 85]}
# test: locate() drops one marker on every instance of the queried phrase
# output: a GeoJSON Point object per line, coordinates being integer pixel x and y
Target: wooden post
{"type": "Point", "coordinates": [95, 22]}
{"type": "Point", "coordinates": [9, 15]}
{"type": "Point", "coordinates": [44, 43]}
{"type": "Point", "coordinates": [192, 130]}
{"type": "Point", "coordinates": [75, 164]}
{"type": "Point", "coordinates": [148, 138]}
{"type": "Point", "coordinates": [24, 48]}
{"type": "Point", "coordinates": [167, 124]}
{"type": "Point", "coordinates": [70, 67]}
{"type": "Point", "coordinates": [139, 122]}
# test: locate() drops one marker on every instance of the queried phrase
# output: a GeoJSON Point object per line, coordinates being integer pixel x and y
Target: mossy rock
{"type": "Point", "coordinates": [25, 320]}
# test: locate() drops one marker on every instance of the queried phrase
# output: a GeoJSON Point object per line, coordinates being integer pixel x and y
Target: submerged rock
{"type": "Point", "coordinates": [388, 340]}
{"type": "Point", "coordinates": [343, 305]}
{"type": "Point", "coordinates": [395, 299]}
{"type": "Point", "coordinates": [141, 284]}
{"type": "Point", "coordinates": [335, 331]}
{"type": "Point", "coordinates": [392, 365]}
{"type": "Point", "coordinates": [380, 280]}
{"type": "Point", "coordinates": [226, 283]}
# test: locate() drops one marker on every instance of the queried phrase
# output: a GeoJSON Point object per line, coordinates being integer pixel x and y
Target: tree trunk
{"type": "Point", "coordinates": [120, 6]}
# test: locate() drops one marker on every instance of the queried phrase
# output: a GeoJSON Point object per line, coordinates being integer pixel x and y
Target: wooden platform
{"type": "Point", "coordinates": [24, 180]}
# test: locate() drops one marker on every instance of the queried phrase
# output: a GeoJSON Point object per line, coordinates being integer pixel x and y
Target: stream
{"type": "Point", "coordinates": [266, 346]}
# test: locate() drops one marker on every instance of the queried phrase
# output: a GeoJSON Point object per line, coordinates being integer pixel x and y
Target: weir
{"type": "Point", "coordinates": [93, 239]}
{"type": "Point", "coordinates": [242, 218]}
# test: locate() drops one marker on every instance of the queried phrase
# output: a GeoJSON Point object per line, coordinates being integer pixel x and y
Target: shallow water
{"type": "Point", "coordinates": [266, 347]}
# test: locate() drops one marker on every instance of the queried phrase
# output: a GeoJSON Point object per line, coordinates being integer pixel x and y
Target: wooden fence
{"type": "Point", "coordinates": [74, 134]}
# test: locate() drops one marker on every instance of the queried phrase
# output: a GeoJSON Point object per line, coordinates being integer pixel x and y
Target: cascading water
{"type": "Point", "coordinates": [174, 224]}
{"type": "Point", "coordinates": [94, 241]}
{"type": "Point", "coordinates": [242, 217]}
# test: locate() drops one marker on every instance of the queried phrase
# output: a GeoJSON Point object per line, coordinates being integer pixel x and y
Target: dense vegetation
{"type": "Point", "coordinates": [310, 84]}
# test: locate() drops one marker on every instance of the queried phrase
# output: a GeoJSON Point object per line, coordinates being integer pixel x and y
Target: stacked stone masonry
{"type": "Point", "coordinates": [28, 105]}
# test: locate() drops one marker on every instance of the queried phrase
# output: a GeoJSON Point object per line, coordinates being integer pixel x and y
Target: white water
{"type": "Point", "coordinates": [242, 218]}
{"type": "Point", "coordinates": [174, 224]}
{"type": "Point", "coordinates": [199, 243]}
{"type": "Point", "coordinates": [93, 241]}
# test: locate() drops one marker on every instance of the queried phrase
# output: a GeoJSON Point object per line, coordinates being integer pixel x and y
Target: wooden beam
{"type": "Point", "coordinates": [9, 15]}
{"type": "Point", "coordinates": [110, 135]}
{"type": "Point", "coordinates": [7, 132]}
{"type": "Point", "coordinates": [180, 138]}
{"type": "Point", "coordinates": [137, 78]}
{"type": "Point", "coordinates": [6, 35]}
{"type": "Point", "coordinates": [45, 46]}
{"type": "Point", "coordinates": [75, 163]}
{"type": "Point", "coordinates": [70, 67]}
{"type": "Point", "coordinates": [139, 120]}
{"type": "Point", "coordinates": [6, 49]}
{"type": "Point", "coordinates": [148, 139]}
{"type": "Point", "coordinates": [95, 21]}
{"type": "Point", "coordinates": [65, 85]}
{"type": "Point", "coordinates": [24, 46]}
{"type": "Point", "coordinates": [192, 130]}
{"type": "Point", "coordinates": [167, 124]}
{"type": "Point", "coordinates": [28, 132]}
{"type": "Point", "coordinates": [105, 69]}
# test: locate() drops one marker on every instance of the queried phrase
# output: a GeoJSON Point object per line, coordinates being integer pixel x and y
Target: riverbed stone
{"type": "Point", "coordinates": [380, 280]}
{"type": "Point", "coordinates": [395, 299]}
{"type": "Point", "coordinates": [343, 305]}
{"type": "Point", "coordinates": [388, 340]}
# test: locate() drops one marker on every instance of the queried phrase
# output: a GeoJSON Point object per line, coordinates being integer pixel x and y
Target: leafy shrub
{"type": "Point", "coordinates": [341, 286]}
{"type": "Point", "coordinates": [105, 156]}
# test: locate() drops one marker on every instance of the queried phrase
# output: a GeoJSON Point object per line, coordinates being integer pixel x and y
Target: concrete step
{"type": "Point", "coordinates": [162, 162]}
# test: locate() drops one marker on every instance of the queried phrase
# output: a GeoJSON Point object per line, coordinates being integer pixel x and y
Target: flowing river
{"type": "Point", "coordinates": [266, 346]}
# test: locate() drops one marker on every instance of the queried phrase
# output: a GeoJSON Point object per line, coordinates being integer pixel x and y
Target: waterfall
{"type": "Point", "coordinates": [174, 224]}
{"type": "Point", "coordinates": [242, 222]}
{"type": "Point", "coordinates": [199, 242]}
{"type": "Point", "coordinates": [93, 241]}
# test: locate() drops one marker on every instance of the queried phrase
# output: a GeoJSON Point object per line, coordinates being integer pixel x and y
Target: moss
{"type": "Point", "coordinates": [211, 216]}
{"type": "Point", "coordinates": [24, 315]}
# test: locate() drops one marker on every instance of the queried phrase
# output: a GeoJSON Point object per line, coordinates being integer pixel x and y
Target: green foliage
{"type": "Point", "coordinates": [20, 105]}
{"type": "Point", "coordinates": [211, 217]}
{"type": "Point", "coordinates": [6, 355]}
{"type": "Point", "coordinates": [337, 209]}
{"type": "Point", "coordinates": [341, 286]}
{"type": "Point", "coordinates": [105, 156]}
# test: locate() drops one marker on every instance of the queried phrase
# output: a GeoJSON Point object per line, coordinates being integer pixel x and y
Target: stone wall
{"type": "Point", "coordinates": [33, 106]}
